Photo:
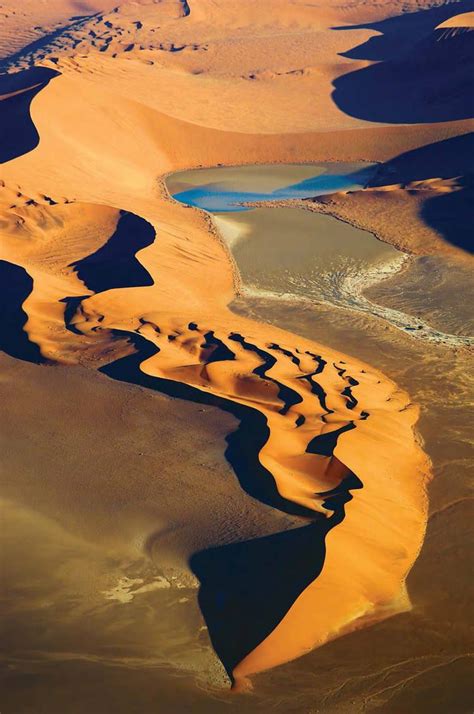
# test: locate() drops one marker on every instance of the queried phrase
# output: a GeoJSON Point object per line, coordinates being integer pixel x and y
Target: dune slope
{"type": "Point", "coordinates": [103, 268]}
{"type": "Point", "coordinates": [323, 413]}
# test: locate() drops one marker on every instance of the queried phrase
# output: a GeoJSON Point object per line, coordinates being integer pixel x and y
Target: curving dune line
{"type": "Point", "coordinates": [324, 420]}
{"type": "Point", "coordinates": [325, 424]}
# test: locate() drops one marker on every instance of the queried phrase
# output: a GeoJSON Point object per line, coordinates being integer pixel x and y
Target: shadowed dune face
{"type": "Point", "coordinates": [296, 404]}
{"type": "Point", "coordinates": [438, 212]}
{"type": "Point", "coordinates": [443, 159]}
{"type": "Point", "coordinates": [41, 236]}
{"type": "Point", "coordinates": [15, 286]}
{"type": "Point", "coordinates": [19, 134]}
{"type": "Point", "coordinates": [114, 265]}
{"type": "Point", "coordinates": [245, 589]}
{"type": "Point", "coordinates": [398, 34]}
{"type": "Point", "coordinates": [314, 424]}
{"type": "Point", "coordinates": [422, 73]}
{"type": "Point", "coordinates": [448, 212]}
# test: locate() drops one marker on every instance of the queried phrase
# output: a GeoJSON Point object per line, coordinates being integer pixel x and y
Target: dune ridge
{"type": "Point", "coordinates": [311, 404]}
{"type": "Point", "coordinates": [339, 446]}
{"type": "Point", "coordinates": [323, 411]}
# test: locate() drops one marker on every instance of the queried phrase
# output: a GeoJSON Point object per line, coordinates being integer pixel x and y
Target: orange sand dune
{"type": "Point", "coordinates": [338, 444]}
{"type": "Point", "coordinates": [371, 584]}
{"type": "Point", "coordinates": [465, 19]}
{"type": "Point", "coordinates": [410, 199]}
{"type": "Point", "coordinates": [191, 280]}
{"type": "Point", "coordinates": [26, 23]}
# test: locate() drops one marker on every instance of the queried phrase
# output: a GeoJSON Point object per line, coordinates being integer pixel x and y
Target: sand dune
{"type": "Point", "coordinates": [426, 196]}
{"type": "Point", "coordinates": [31, 24]}
{"type": "Point", "coordinates": [318, 412]}
{"type": "Point", "coordinates": [102, 268]}
{"type": "Point", "coordinates": [463, 21]}
{"type": "Point", "coordinates": [315, 402]}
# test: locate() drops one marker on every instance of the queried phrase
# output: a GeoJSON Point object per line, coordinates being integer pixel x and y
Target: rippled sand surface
{"type": "Point", "coordinates": [216, 430]}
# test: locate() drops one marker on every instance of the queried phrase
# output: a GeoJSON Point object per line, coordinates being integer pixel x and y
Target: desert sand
{"type": "Point", "coordinates": [281, 483]}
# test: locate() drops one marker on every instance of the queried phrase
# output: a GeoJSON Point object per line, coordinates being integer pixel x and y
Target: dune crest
{"type": "Point", "coordinates": [324, 413]}
{"type": "Point", "coordinates": [112, 273]}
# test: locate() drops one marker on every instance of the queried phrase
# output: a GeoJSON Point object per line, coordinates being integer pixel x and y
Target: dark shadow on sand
{"type": "Point", "coordinates": [244, 444]}
{"type": "Point", "coordinates": [422, 75]}
{"type": "Point", "coordinates": [114, 265]}
{"type": "Point", "coordinates": [398, 34]}
{"type": "Point", "coordinates": [449, 213]}
{"type": "Point", "coordinates": [247, 588]}
{"type": "Point", "coordinates": [18, 134]}
{"type": "Point", "coordinates": [15, 286]}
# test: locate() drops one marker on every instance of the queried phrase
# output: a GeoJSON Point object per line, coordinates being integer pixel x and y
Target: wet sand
{"type": "Point", "coordinates": [287, 253]}
{"type": "Point", "coordinates": [300, 254]}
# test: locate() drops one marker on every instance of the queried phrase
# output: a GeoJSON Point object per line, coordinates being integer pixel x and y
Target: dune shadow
{"type": "Point", "coordinates": [18, 132]}
{"type": "Point", "coordinates": [450, 213]}
{"type": "Point", "coordinates": [15, 286]}
{"type": "Point", "coordinates": [398, 34]}
{"type": "Point", "coordinates": [114, 265]}
{"type": "Point", "coordinates": [243, 445]}
{"type": "Point", "coordinates": [423, 74]}
{"type": "Point", "coordinates": [247, 588]}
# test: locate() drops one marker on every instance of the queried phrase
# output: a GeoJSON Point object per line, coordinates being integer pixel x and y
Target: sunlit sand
{"type": "Point", "coordinates": [235, 265]}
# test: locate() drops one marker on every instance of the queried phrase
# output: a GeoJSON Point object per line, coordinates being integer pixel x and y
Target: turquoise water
{"type": "Point", "coordinates": [237, 185]}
